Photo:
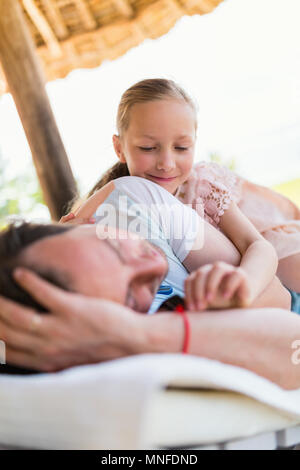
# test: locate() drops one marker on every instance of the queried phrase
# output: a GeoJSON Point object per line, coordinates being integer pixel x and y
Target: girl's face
{"type": "Point", "coordinates": [159, 142]}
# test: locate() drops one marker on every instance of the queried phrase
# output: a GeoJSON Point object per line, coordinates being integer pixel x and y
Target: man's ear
{"type": "Point", "coordinates": [118, 148]}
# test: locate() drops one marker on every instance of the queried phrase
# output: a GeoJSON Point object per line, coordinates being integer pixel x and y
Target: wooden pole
{"type": "Point", "coordinates": [27, 85]}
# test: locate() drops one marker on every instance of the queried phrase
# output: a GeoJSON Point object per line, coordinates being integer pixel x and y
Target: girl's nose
{"type": "Point", "coordinates": [165, 161]}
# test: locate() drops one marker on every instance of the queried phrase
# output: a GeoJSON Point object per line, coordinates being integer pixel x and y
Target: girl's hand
{"type": "Point", "coordinates": [218, 285]}
{"type": "Point", "coordinates": [72, 219]}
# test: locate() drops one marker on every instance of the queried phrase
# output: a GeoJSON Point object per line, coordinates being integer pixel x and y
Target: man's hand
{"type": "Point", "coordinates": [83, 330]}
{"type": "Point", "coordinates": [79, 329]}
{"type": "Point", "coordinates": [218, 285]}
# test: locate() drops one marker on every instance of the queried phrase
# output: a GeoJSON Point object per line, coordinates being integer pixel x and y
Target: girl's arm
{"type": "Point", "coordinates": [219, 284]}
{"type": "Point", "coordinates": [259, 258]}
{"type": "Point", "coordinates": [84, 213]}
{"type": "Point", "coordinates": [92, 203]}
{"type": "Point", "coordinates": [211, 246]}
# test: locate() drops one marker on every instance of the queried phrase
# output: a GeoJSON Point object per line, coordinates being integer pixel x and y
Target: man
{"type": "Point", "coordinates": [123, 268]}
{"type": "Point", "coordinates": [84, 328]}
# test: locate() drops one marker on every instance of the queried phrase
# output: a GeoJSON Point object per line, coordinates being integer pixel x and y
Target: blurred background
{"type": "Point", "coordinates": [241, 64]}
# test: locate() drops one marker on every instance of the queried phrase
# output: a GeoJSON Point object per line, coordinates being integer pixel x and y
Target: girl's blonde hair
{"type": "Point", "coordinates": [152, 89]}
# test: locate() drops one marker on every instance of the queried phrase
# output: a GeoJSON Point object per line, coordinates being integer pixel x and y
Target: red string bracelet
{"type": "Point", "coordinates": [180, 309]}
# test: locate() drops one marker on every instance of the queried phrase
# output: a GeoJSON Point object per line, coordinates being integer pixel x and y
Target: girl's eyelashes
{"type": "Point", "coordinates": [148, 149]}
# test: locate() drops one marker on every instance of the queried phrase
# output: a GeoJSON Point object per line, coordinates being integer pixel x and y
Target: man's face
{"type": "Point", "coordinates": [125, 270]}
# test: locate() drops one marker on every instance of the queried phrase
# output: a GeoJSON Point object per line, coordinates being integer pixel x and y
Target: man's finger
{"type": "Point", "coordinates": [25, 359]}
{"type": "Point", "coordinates": [20, 339]}
{"type": "Point", "coordinates": [46, 294]}
{"type": "Point", "coordinates": [18, 316]}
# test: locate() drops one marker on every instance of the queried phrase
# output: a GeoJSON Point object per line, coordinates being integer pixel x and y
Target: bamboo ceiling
{"type": "Point", "coordinates": [71, 34]}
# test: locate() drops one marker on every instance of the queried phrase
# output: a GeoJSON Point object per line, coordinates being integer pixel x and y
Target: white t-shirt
{"type": "Point", "coordinates": [145, 208]}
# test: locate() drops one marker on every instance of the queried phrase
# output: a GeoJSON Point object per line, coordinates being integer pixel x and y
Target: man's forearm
{"type": "Point", "coordinates": [259, 340]}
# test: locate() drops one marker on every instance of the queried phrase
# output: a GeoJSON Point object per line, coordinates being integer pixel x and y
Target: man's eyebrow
{"type": "Point", "coordinates": [112, 247]}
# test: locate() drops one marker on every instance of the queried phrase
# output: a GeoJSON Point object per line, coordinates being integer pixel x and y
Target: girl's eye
{"type": "Point", "coordinates": [181, 148]}
{"type": "Point", "coordinates": [146, 149]}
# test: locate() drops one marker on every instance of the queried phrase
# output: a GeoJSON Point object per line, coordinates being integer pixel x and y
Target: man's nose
{"type": "Point", "coordinates": [149, 268]}
{"type": "Point", "coordinates": [165, 161]}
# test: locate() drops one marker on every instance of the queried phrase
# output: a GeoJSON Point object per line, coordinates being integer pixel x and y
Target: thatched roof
{"type": "Point", "coordinates": [72, 34]}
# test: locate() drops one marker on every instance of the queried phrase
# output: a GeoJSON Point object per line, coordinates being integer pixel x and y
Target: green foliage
{"type": "Point", "coordinates": [19, 196]}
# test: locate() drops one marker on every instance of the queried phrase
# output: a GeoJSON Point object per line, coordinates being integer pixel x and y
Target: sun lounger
{"type": "Point", "coordinates": [152, 401]}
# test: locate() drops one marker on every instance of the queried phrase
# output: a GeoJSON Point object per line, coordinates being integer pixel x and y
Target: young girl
{"type": "Point", "coordinates": [157, 126]}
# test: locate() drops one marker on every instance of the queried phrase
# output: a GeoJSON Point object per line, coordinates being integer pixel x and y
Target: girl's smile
{"type": "Point", "coordinates": [161, 178]}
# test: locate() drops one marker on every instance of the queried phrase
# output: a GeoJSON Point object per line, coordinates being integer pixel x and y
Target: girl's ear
{"type": "Point", "coordinates": [118, 148]}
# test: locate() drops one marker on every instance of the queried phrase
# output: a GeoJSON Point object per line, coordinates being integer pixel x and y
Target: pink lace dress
{"type": "Point", "coordinates": [210, 189]}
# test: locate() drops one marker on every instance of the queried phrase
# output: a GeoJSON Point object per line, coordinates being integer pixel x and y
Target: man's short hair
{"type": "Point", "coordinates": [13, 242]}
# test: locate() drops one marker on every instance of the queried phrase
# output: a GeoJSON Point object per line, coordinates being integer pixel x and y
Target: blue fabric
{"type": "Point", "coordinates": [295, 307]}
{"type": "Point", "coordinates": [165, 289]}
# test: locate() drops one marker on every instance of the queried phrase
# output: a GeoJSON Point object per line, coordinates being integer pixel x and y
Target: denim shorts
{"type": "Point", "coordinates": [295, 307]}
